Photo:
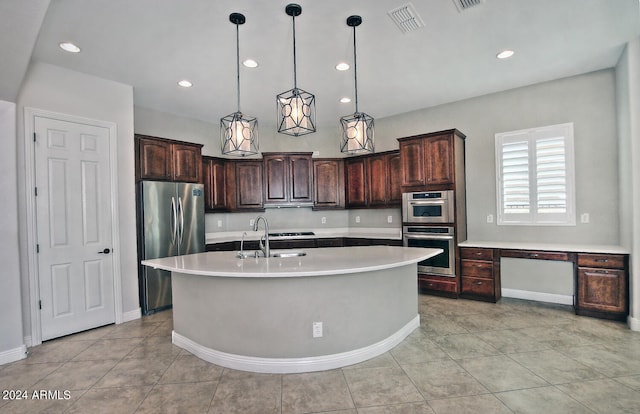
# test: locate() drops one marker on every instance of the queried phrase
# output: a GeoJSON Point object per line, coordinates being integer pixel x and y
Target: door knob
{"type": "Point", "coordinates": [105, 251]}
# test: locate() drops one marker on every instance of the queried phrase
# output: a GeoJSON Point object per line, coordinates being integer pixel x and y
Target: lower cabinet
{"type": "Point", "coordinates": [478, 270]}
{"type": "Point", "coordinates": [602, 286]}
{"type": "Point", "coordinates": [438, 285]}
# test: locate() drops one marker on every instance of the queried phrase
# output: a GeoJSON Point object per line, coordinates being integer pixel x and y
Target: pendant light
{"type": "Point", "coordinates": [238, 132]}
{"type": "Point", "coordinates": [357, 128]}
{"type": "Point", "coordinates": [296, 108]}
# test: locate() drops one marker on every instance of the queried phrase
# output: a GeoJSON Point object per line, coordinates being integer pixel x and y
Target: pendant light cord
{"type": "Point", "coordinates": [355, 67]}
{"type": "Point", "coordinates": [238, 62]}
{"type": "Point", "coordinates": [295, 77]}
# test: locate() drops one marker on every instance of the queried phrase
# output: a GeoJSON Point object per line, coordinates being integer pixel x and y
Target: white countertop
{"type": "Point", "coordinates": [357, 232]}
{"type": "Point", "coordinates": [317, 262]}
{"type": "Point", "coordinates": [552, 247]}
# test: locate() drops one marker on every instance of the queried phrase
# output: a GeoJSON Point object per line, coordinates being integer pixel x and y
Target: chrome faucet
{"type": "Point", "coordinates": [264, 240]}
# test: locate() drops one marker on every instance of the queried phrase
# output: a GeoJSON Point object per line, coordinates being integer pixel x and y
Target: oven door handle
{"type": "Point", "coordinates": [429, 237]}
{"type": "Point", "coordinates": [426, 203]}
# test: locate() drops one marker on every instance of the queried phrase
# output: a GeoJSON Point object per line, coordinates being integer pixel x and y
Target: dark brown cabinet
{"type": "Point", "coordinates": [355, 182]}
{"type": "Point", "coordinates": [432, 162]}
{"type": "Point", "coordinates": [328, 184]}
{"type": "Point", "coordinates": [478, 274]}
{"type": "Point", "coordinates": [214, 177]}
{"type": "Point", "coordinates": [167, 160]}
{"type": "Point", "coordinates": [244, 185]}
{"type": "Point", "coordinates": [288, 179]}
{"type": "Point", "coordinates": [373, 180]}
{"type": "Point", "coordinates": [602, 285]}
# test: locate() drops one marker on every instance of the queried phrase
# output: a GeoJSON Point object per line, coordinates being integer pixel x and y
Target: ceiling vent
{"type": "Point", "coordinates": [463, 5]}
{"type": "Point", "coordinates": [406, 18]}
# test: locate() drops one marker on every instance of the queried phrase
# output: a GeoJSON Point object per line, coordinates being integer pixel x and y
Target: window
{"type": "Point", "coordinates": [535, 174]}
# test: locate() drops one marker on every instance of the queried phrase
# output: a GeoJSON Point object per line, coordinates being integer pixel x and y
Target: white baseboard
{"type": "Point", "coordinates": [633, 323]}
{"type": "Point", "coordinates": [295, 365]}
{"type": "Point", "coordinates": [538, 296]}
{"type": "Point", "coordinates": [12, 355]}
{"type": "Point", "coordinates": [131, 315]}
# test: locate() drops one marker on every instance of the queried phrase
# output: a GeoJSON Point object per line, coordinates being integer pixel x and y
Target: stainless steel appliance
{"type": "Point", "coordinates": [428, 207]}
{"type": "Point", "coordinates": [171, 223]}
{"type": "Point", "coordinates": [434, 237]}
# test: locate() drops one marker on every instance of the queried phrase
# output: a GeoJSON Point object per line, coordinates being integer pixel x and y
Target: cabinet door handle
{"type": "Point", "coordinates": [601, 260]}
{"type": "Point", "coordinates": [478, 283]}
{"type": "Point", "coordinates": [533, 255]}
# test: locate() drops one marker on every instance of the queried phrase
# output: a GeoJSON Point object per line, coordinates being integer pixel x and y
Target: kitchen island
{"type": "Point", "coordinates": [330, 308]}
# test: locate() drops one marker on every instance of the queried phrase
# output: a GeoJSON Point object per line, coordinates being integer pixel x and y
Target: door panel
{"type": "Point", "coordinates": [73, 219]}
{"type": "Point", "coordinates": [191, 199]}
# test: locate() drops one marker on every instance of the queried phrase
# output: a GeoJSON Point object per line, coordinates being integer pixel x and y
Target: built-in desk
{"type": "Point", "coordinates": [601, 273]}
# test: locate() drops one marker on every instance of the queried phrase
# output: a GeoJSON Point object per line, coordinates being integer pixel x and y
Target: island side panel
{"type": "Point", "coordinates": [273, 317]}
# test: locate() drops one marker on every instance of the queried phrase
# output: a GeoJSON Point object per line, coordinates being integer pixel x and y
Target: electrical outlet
{"type": "Point", "coordinates": [219, 223]}
{"type": "Point", "coordinates": [324, 220]}
{"type": "Point", "coordinates": [584, 218]}
{"type": "Point", "coordinates": [389, 219]}
{"type": "Point", "coordinates": [251, 222]}
{"type": "Point", "coordinates": [317, 329]}
{"type": "Point", "coordinates": [357, 219]}
{"type": "Point", "coordinates": [315, 154]}
{"type": "Point", "coordinates": [489, 218]}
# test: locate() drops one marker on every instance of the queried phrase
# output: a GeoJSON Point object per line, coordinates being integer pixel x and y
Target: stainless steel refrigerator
{"type": "Point", "coordinates": [171, 223]}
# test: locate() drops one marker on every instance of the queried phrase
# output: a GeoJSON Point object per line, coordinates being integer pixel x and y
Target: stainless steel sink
{"type": "Point", "coordinates": [287, 253]}
{"type": "Point", "coordinates": [274, 253]}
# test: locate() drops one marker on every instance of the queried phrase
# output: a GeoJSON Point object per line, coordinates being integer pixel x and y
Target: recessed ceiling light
{"type": "Point", "coordinates": [69, 47]}
{"type": "Point", "coordinates": [505, 54]}
{"type": "Point", "coordinates": [342, 66]}
{"type": "Point", "coordinates": [250, 63]}
{"type": "Point", "coordinates": [345, 99]}
{"type": "Point", "coordinates": [185, 83]}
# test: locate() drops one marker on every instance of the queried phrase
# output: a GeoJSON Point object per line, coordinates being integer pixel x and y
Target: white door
{"type": "Point", "coordinates": [73, 220]}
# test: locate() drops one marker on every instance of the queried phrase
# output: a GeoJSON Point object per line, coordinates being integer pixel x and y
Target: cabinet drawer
{"type": "Point", "coordinates": [477, 268]}
{"type": "Point", "coordinates": [476, 253]}
{"type": "Point", "coordinates": [439, 284]}
{"type": "Point", "coordinates": [477, 286]}
{"type": "Point", "coordinates": [610, 261]}
{"type": "Point", "coordinates": [536, 254]}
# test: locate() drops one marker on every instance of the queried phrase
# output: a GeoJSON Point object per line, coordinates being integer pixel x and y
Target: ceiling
{"type": "Point", "coordinates": [152, 44]}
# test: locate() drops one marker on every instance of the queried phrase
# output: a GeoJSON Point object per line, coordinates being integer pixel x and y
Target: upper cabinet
{"type": "Point", "coordinates": [373, 180]}
{"type": "Point", "coordinates": [288, 179]}
{"type": "Point", "coordinates": [244, 184]}
{"type": "Point", "coordinates": [432, 162]}
{"type": "Point", "coordinates": [214, 177]}
{"type": "Point", "coordinates": [328, 183]}
{"type": "Point", "coordinates": [167, 160]}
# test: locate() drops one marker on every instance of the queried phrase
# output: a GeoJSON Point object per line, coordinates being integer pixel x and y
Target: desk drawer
{"type": "Point", "coordinates": [444, 284]}
{"type": "Point", "coordinates": [475, 253]}
{"type": "Point", "coordinates": [536, 254]}
{"type": "Point", "coordinates": [477, 268]}
{"type": "Point", "coordinates": [477, 286]}
{"type": "Point", "coordinates": [609, 261]}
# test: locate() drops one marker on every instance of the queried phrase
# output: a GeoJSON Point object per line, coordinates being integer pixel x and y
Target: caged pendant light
{"type": "Point", "coordinates": [357, 128]}
{"type": "Point", "coordinates": [296, 108]}
{"type": "Point", "coordinates": [238, 132]}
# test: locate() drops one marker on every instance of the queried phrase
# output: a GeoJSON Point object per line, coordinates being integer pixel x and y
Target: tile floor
{"type": "Point", "coordinates": [467, 357]}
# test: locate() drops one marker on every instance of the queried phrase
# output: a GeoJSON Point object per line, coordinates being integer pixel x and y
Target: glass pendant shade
{"type": "Point", "coordinates": [357, 128]}
{"type": "Point", "coordinates": [296, 108]}
{"type": "Point", "coordinates": [238, 132]}
{"type": "Point", "coordinates": [357, 133]}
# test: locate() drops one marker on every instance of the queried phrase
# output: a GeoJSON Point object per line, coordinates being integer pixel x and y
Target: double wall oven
{"type": "Point", "coordinates": [428, 219]}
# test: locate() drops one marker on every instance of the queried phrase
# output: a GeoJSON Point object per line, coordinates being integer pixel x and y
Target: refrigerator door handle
{"type": "Point", "coordinates": [174, 220]}
{"type": "Point", "coordinates": [181, 230]}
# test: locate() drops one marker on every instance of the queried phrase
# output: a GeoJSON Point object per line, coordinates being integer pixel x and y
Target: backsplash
{"type": "Point", "coordinates": [305, 218]}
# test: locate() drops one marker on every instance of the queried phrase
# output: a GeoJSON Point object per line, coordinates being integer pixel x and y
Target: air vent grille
{"type": "Point", "coordinates": [406, 18]}
{"type": "Point", "coordinates": [463, 5]}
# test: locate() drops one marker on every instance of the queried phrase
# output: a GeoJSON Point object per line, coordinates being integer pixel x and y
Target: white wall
{"type": "Point", "coordinates": [628, 101]}
{"type": "Point", "coordinates": [11, 338]}
{"type": "Point", "coordinates": [55, 89]}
